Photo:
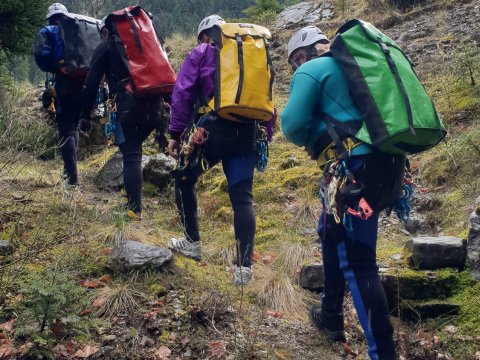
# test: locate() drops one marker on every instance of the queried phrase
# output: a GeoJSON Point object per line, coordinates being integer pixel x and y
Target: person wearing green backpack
{"type": "Point", "coordinates": [359, 181]}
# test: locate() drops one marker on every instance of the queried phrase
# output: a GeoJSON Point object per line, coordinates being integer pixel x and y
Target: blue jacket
{"type": "Point", "coordinates": [318, 86]}
{"type": "Point", "coordinates": [48, 49]}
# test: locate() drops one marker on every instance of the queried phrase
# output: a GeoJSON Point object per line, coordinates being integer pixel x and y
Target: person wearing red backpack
{"type": "Point", "coordinates": [232, 143]}
{"type": "Point", "coordinates": [48, 50]}
{"type": "Point", "coordinates": [138, 102]}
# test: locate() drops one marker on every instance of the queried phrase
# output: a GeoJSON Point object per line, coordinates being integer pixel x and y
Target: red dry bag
{"type": "Point", "coordinates": [147, 61]}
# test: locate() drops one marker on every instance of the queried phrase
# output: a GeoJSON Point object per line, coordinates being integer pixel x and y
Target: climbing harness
{"type": "Point", "coordinates": [48, 96]}
{"type": "Point", "coordinates": [341, 195]}
{"type": "Point", "coordinates": [113, 128]}
{"type": "Point", "coordinates": [403, 205]}
{"type": "Point", "coordinates": [191, 159]}
{"type": "Point", "coordinates": [262, 148]}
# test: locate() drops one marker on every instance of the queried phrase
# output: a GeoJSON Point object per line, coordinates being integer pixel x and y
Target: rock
{"type": "Point", "coordinates": [417, 224]}
{"type": "Point", "coordinates": [133, 255]}
{"type": "Point", "coordinates": [473, 245]}
{"type": "Point", "coordinates": [111, 175]}
{"type": "Point", "coordinates": [437, 252]}
{"type": "Point", "coordinates": [290, 162]}
{"type": "Point", "coordinates": [312, 277]}
{"type": "Point", "coordinates": [419, 310]}
{"type": "Point", "coordinates": [157, 170]}
{"type": "Point", "coordinates": [304, 13]}
{"type": "Point", "coordinates": [6, 248]}
{"type": "Point", "coordinates": [409, 284]}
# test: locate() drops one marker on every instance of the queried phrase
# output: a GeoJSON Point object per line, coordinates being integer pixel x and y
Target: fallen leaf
{"type": "Point", "coordinates": [24, 349]}
{"type": "Point", "coordinates": [99, 302]}
{"type": "Point", "coordinates": [217, 350]}
{"type": "Point", "coordinates": [256, 256]}
{"type": "Point", "coordinates": [162, 353]}
{"type": "Point", "coordinates": [92, 284]}
{"type": "Point", "coordinates": [106, 251]}
{"type": "Point", "coordinates": [8, 326]}
{"type": "Point", "coordinates": [56, 328]}
{"type": "Point", "coordinates": [274, 314]}
{"type": "Point", "coordinates": [85, 312]}
{"type": "Point", "coordinates": [86, 352]}
{"type": "Point", "coordinates": [3, 336]}
{"type": "Point", "coordinates": [6, 349]}
{"type": "Point", "coordinates": [268, 259]}
{"type": "Point", "coordinates": [107, 279]}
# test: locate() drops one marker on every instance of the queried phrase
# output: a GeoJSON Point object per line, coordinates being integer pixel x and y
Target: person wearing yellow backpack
{"type": "Point", "coordinates": [217, 139]}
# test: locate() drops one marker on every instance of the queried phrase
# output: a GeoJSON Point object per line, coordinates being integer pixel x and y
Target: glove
{"type": "Point", "coordinates": [85, 127]}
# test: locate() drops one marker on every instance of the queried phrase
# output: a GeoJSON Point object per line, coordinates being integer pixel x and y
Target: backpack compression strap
{"type": "Point", "coordinates": [135, 30]}
{"type": "Point", "coordinates": [241, 65]}
{"type": "Point", "coordinates": [394, 70]}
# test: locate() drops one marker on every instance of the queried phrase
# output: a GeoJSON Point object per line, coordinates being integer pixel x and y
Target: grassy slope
{"type": "Point", "coordinates": [74, 236]}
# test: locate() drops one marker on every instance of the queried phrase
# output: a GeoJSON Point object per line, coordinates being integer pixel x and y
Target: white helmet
{"type": "Point", "coordinates": [304, 38]}
{"type": "Point", "coordinates": [56, 8]}
{"type": "Point", "coordinates": [209, 22]}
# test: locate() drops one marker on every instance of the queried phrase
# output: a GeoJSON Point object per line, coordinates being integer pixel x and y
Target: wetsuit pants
{"type": "Point", "coordinates": [138, 117]}
{"type": "Point", "coordinates": [233, 144]}
{"type": "Point", "coordinates": [68, 116]}
{"type": "Point", "coordinates": [349, 256]}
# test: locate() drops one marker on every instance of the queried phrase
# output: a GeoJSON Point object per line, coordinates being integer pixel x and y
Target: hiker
{"type": "Point", "coordinates": [52, 52]}
{"type": "Point", "coordinates": [217, 138]}
{"type": "Point", "coordinates": [136, 91]}
{"type": "Point", "coordinates": [320, 89]}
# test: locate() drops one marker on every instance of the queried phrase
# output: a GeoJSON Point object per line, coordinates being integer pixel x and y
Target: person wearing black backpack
{"type": "Point", "coordinates": [136, 115]}
{"type": "Point", "coordinates": [48, 51]}
{"type": "Point", "coordinates": [359, 182]}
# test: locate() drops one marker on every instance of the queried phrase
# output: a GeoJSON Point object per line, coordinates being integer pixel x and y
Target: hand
{"type": "Point", "coordinates": [85, 127]}
{"type": "Point", "coordinates": [174, 148]}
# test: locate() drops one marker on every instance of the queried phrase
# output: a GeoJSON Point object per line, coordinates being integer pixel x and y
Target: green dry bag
{"type": "Point", "coordinates": [399, 117]}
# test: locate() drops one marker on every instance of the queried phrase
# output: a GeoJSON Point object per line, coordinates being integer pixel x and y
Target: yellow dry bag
{"type": "Point", "coordinates": [244, 74]}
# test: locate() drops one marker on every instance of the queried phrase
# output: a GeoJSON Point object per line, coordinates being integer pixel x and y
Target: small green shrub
{"type": "Point", "coordinates": [50, 299]}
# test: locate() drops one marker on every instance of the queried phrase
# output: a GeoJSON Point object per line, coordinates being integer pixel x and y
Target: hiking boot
{"type": "Point", "coordinates": [134, 216]}
{"type": "Point", "coordinates": [191, 249]}
{"type": "Point", "coordinates": [330, 325]}
{"type": "Point", "coordinates": [242, 275]}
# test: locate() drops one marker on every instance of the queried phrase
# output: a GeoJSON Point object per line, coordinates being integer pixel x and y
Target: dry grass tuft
{"type": "Point", "coordinates": [276, 291]}
{"type": "Point", "coordinates": [291, 258]}
{"type": "Point", "coordinates": [220, 253]}
{"type": "Point", "coordinates": [119, 298]}
{"type": "Point", "coordinates": [306, 209]}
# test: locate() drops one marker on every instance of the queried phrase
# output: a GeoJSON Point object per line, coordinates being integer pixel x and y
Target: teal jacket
{"type": "Point", "coordinates": [318, 87]}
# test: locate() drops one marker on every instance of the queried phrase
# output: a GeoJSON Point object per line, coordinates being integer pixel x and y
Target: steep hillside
{"type": "Point", "coordinates": [60, 298]}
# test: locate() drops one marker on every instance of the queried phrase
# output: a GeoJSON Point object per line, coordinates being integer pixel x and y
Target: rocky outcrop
{"type": "Point", "coordinates": [133, 255]}
{"type": "Point", "coordinates": [111, 175]}
{"type": "Point", "coordinates": [157, 170]}
{"type": "Point", "coordinates": [473, 243]}
{"type": "Point", "coordinates": [436, 252]}
{"type": "Point", "coordinates": [312, 277]}
{"type": "Point", "coordinates": [6, 248]}
{"type": "Point", "coordinates": [304, 13]}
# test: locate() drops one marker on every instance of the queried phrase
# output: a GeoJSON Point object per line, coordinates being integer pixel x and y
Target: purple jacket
{"type": "Point", "coordinates": [196, 78]}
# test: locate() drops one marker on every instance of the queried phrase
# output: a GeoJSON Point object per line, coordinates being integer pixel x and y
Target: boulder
{"type": "Point", "coordinates": [437, 252]}
{"type": "Point", "coordinates": [417, 224]}
{"type": "Point", "coordinates": [6, 248]}
{"type": "Point", "coordinates": [133, 255]}
{"type": "Point", "coordinates": [304, 13]}
{"type": "Point", "coordinates": [407, 284]}
{"type": "Point", "coordinates": [111, 175]}
{"type": "Point", "coordinates": [157, 170]}
{"type": "Point", "coordinates": [290, 162]}
{"type": "Point", "coordinates": [312, 277]}
{"type": "Point", "coordinates": [420, 310]}
{"type": "Point", "coordinates": [473, 243]}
